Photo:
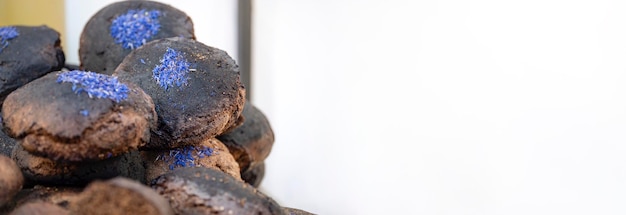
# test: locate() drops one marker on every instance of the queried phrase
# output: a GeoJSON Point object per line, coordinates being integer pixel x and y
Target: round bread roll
{"type": "Point", "coordinates": [79, 116]}
{"type": "Point", "coordinates": [199, 190]}
{"type": "Point", "coordinates": [119, 28]}
{"type": "Point", "coordinates": [195, 88]}
{"type": "Point", "coordinates": [251, 142]}
{"type": "Point", "coordinates": [210, 153]}
{"type": "Point", "coordinates": [120, 196]}
{"type": "Point", "coordinates": [11, 179]}
{"type": "Point", "coordinates": [41, 170]}
{"type": "Point", "coordinates": [27, 53]}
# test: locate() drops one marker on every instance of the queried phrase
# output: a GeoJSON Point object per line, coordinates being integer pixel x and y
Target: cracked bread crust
{"type": "Point", "coordinates": [45, 117]}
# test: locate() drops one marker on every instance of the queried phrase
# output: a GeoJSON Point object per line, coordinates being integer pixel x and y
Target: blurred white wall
{"type": "Point", "coordinates": [215, 22]}
{"type": "Point", "coordinates": [444, 106]}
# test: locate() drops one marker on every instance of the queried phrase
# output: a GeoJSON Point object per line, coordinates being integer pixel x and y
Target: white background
{"type": "Point", "coordinates": [443, 106]}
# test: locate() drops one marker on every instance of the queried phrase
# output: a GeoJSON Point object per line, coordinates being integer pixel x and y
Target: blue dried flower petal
{"type": "Point", "coordinates": [184, 157]}
{"type": "Point", "coordinates": [95, 85]}
{"type": "Point", "coordinates": [7, 33]}
{"type": "Point", "coordinates": [172, 70]}
{"type": "Point", "coordinates": [84, 112]}
{"type": "Point", "coordinates": [135, 27]}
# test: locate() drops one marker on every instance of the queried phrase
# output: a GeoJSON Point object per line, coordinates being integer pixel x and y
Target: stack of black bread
{"type": "Point", "coordinates": [151, 122]}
